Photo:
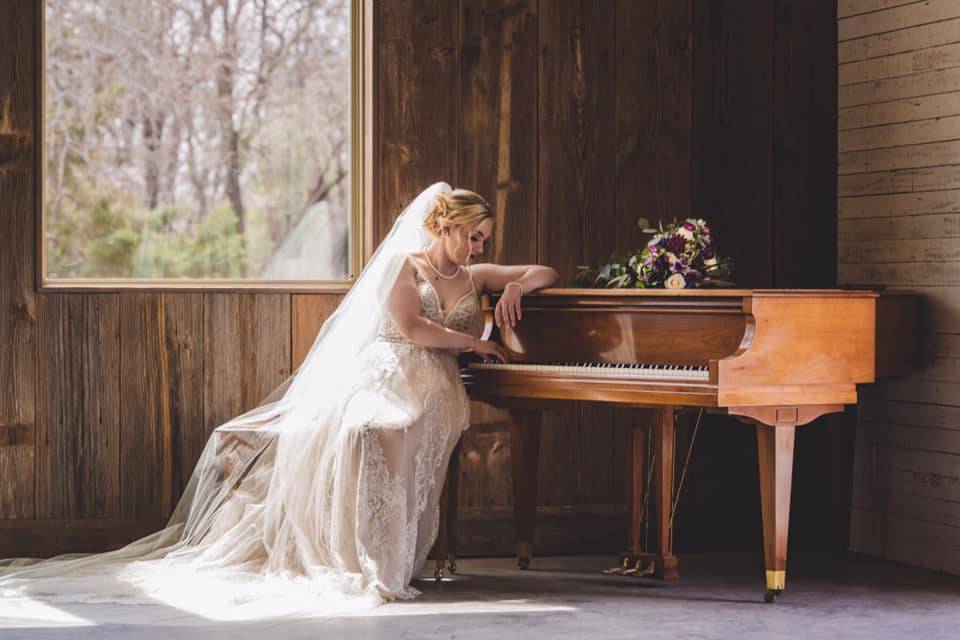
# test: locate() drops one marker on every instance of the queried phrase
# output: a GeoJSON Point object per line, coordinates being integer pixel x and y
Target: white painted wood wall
{"type": "Point", "coordinates": [899, 225]}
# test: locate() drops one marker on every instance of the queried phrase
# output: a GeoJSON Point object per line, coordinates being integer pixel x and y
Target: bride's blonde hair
{"type": "Point", "coordinates": [460, 206]}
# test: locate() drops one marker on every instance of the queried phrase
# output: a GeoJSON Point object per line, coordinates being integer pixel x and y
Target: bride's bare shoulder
{"type": "Point", "coordinates": [479, 273]}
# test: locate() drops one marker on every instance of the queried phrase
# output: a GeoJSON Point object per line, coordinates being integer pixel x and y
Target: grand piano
{"type": "Point", "coordinates": [776, 359]}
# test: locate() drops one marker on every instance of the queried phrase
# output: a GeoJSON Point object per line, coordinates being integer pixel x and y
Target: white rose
{"type": "Point", "coordinates": [676, 281]}
{"type": "Point", "coordinates": [685, 233]}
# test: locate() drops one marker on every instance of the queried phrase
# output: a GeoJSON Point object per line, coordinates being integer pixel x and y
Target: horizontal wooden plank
{"type": "Point", "coordinates": [890, 251]}
{"type": "Point", "coordinates": [930, 533]}
{"type": "Point", "coordinates": [936, 225]}
{"type": "Point", "coordinates": [932, 273]}
{"type": "Point", "coordinates": [912, 389]}
{"type": "Point", "coordinates": [945, 345]}
{"type": "Point", "coordinates": [906, 540]}
{"type": "Point", "coordinates": [940, 317]}
{"type": "Point", "coordinates": [898, 65]}
{"type": "Point", "coordinates": [904, 40]}
{"type": "Point", "coordinates": [894, 492]}
{"type": "Point", "coordinates": [917, 414]}
{"type": "Point", "coordinates": [904, 181]}
{"type": "Point", "coordinates": [938, 368]}
{"type": "Point", "coordinates": [911, 86]}
{"type": "Point", "coordinates": [847, 8]}
{"type": "Point", "coordinates": [914, 437]}
{"type": "Point", "coordinates": [914, 461]}
{"type": "Point", "coordinates": [900, 134]}
{"type": "Point", "coordinates": [904, 204]}
{"type": "Point", "coordinates": [899, 17]}
{"type": "Point", "coordinates": [924, 486]}
{"type": "Point", "coordinates": [931, 154]}
{"type": "Point", "coordinates": [894, 111]}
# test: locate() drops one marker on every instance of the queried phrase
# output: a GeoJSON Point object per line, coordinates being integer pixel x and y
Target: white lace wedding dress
{"type": "Point", "coordinates": [323, 499]}
{"type": "Point", "coordinates": [404, 419]}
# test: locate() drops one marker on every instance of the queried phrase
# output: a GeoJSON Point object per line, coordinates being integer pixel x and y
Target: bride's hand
{"type": "Point", "coordinates": [489, 350]}
{"type": "Point", "coordinates": [508, 306]}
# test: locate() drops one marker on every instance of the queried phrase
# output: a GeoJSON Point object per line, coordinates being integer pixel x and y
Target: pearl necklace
{"type": "Point", "coordinates": [437, 271]}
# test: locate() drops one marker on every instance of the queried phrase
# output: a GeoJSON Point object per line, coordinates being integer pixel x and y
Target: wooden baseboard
{"type": "Point", "coordinates": [45, 538]}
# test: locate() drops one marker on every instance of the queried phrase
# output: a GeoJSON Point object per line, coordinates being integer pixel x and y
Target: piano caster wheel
{"type": "Point", "coordinates": [523, 563]}
{"type": "Point", "coordinates": [438, 574]}
{"type": "Point", "coordinates": [452, 567]}
{"type": "Point", "coordinates": [771, 595]}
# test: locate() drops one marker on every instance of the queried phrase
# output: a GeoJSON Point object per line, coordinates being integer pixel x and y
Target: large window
{"type": "Point", "coordinates": [201, 141]}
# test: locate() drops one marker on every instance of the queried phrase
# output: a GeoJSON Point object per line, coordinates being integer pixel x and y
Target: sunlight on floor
{"type": "Point", "coordinates": [27, 612]}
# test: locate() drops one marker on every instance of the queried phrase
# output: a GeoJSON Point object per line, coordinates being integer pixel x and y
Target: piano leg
{"type": "Point", "coordinates": [663, 437]}
{"type": "Point", "coordinates": [775, 450]}
{"type": "Point", "coordinates": [638, 481]}
{"type": "Point", "coordinates": [525, 457]}
{"type": "Point", "coordinates": [444, 548]}
{"type": "Point", "coordinates": [453, 496]}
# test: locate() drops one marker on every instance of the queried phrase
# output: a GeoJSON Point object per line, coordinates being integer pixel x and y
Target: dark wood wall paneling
{"type": "Point", "coordinates": [574, 119]}
{"type": "Point", "coordinates": [18, 303]}
{"type": "Point", "coordinates": [764, 148]}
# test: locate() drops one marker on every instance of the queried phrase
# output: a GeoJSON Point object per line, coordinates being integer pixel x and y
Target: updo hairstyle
{"type": "Point", "coordinates": [460, 206]}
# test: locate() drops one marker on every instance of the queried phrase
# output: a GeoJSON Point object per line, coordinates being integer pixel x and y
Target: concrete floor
{"type": "Point", "coordinates": [719, 596]}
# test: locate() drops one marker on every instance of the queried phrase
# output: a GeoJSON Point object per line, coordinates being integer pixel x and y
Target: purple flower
{"type": "Point", "coordinates": [675, 244]}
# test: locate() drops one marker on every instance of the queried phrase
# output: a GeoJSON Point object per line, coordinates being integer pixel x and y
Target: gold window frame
{"type": "Point", "coordinates": [361, 147]}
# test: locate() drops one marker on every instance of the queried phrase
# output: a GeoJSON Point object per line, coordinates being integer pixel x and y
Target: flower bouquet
{"type": "Point", "coordinates": [680, 255]}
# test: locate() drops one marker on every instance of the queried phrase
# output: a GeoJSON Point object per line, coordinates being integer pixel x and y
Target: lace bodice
{"type": "Point", "coordinates": [463, 316]}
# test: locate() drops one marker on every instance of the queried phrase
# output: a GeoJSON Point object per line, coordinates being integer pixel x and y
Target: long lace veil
{"type": "Point", "coordinates": [244, 531]}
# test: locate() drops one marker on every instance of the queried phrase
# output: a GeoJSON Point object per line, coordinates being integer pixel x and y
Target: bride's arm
{"type": "Point", "coordinates": [404, 306]}
{"type": "Point", "coordinates": [526, 278]}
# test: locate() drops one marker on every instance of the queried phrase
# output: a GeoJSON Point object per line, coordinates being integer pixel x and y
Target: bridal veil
{"type": "Point", "coordinates": [244, 540]}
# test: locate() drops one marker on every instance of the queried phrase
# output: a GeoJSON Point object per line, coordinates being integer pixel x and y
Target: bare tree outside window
{"type": "Point", "coordinates": [197, 139]}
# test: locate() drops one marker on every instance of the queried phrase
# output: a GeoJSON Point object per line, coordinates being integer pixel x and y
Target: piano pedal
{"type": "Point", "coordinates": [619, 571]}
{"type": "Point", "coordinates": [636, 568]}
{"type": "Point", "coordinates": [644, 568]}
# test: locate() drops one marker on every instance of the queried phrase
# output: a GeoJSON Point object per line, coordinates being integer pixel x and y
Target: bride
{"type": "Point", "coordinates": [324, 498]}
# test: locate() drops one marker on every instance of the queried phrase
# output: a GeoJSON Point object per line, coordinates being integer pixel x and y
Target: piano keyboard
{"type": "Point", "coordinates": [663, 371]}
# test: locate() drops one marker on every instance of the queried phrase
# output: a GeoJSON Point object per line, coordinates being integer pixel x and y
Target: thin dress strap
{"type": "Point", "coordinates": [470, 275]}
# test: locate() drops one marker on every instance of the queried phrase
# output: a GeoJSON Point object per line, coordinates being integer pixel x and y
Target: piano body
{"type": "Point", "coordinates": [776, 359]}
